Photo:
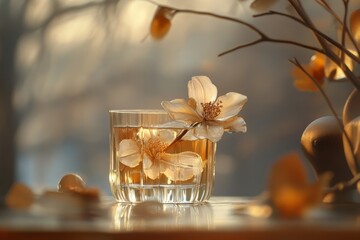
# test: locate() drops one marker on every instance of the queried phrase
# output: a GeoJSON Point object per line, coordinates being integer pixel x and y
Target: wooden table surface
{"type": "Point", "coordinates": [221, 218]}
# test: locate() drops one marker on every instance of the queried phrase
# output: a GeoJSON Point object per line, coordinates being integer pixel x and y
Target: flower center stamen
{"type": "Point", "coordinates": [155, 146]}
{"type": "Point", "coordinates": [211, 110]}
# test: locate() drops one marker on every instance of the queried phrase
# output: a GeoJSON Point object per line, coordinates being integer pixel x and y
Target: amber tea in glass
{"type": "Point", "coordinates": [153, 158]}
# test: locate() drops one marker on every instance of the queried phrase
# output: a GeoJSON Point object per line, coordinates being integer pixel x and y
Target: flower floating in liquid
{"type": "Point", "coordinates": [210, 115]}
{"type": "Point", "coordinates": [150, 150]}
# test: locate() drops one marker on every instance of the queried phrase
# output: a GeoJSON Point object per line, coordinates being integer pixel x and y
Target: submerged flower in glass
{"type": "Point", "coordinates": [150, 160]}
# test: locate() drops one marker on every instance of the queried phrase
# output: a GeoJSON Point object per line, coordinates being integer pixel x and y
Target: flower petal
{"type": "Point", "coordinates": [182, 166]}
{"type": "Point", "coordinates": [302, 82]}
{"type": "Point", "coordinates": [180, 110]}
{"type": "Point", "coordinates": [151, 169]}
{"type": "Point", "coordinates": [202, 90]}
{"type": "Point", "coordinates": [235, 124]}
{"type": "Point", "coordinates": [211, 132]}
{"type": "Point", "coordinates": [167, 136]}
{"type": "Point", "coordinates": [129, 153]}
{"type": "Point", "coordinates": [231, 103]}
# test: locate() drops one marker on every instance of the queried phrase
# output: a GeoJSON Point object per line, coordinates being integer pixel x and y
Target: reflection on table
{"type": "Point", "coordinates": [222, 217]}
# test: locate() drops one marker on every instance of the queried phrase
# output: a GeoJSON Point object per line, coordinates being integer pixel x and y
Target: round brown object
{"type": "Point", "coordinates": [71, 182]}
{"type": "Point", "coordinates": [323, 145]}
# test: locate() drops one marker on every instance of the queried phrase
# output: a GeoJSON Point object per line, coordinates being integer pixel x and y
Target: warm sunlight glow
{"type": "Point", "coordinates": [133, 22]}
{"type": "Point", "coordinates": [37, 12]}
{"type": "Point", "coordinates": [73, 29]}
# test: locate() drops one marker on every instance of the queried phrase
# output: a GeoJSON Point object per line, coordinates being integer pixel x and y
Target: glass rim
{"type": "Point", "coordinates": [138, 111]}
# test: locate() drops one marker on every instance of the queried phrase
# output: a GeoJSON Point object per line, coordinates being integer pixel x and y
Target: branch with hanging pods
{"type": "Point", "coordinates": [328, 46]}
{"type": "Point", "coordinates": [336, 52]}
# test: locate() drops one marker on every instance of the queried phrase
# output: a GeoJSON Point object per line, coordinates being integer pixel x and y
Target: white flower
{"type": "Point", "coordinates": [212, 115]}
{"type": "Point", "coordinates": [150, 150]}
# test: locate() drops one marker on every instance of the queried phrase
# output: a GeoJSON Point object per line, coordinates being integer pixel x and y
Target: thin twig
{"type": "Point", "coordinates": [329, 52]}
{"type": "Point", "coordinates": [342, 185]}
{"type": "Point", "coordinates": [326, 6]}
{"type": "Point", "coordinates": [268, 39]}
{"type": "Point", "coordinates": [326, 50]}
{"type": "Point", "coordinates": [343, 30]}
{"type": "Point", "coordinates": [306, 19]}
{"type": "Point", "coordinates": [179, 10]}
{"type": "Point", "coordinates": [263, 36]}
{"type": "Point", "coordinates": [332, 109]}
{"type": "Point", "coordinates": [327, 38]}
{"type": "Point", "coordinates": [241, 46]}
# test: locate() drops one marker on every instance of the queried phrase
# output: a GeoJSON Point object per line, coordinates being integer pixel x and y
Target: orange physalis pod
{"type": "Point", "coordinates": [316, 68]}
{"type": "Point", "coordinates": [161, 22]}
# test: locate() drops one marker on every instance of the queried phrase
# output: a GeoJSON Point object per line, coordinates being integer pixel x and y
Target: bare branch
{"type": "Point", "coordinates": [267, 39]}
{"type": "Point", "coordinates": [349, 184]}
{"type": "Point", "coordinates": [326, 6]}
{"type": "Point", "coordinates": [263, 36]}
{"type": "Point", "coordinates": [326, 37]}
{"type": "Point", "coordinates": [332, 109]}
{"type": "Point", "coordinates": [343, 30]}
{"type": "Point", "coordinates": [178, 10]}
{"type": "Point", "coordinates": [322, 38]}
{"type": "Point", "coordinates": [241, 46]}
{"type": "Point", "coordinates": [306, 19]}
{"type": "Point", "coordinates": [329, 52]}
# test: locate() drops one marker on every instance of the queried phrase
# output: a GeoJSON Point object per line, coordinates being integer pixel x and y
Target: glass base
{"type": "Point", "coordinates": [186, 193]}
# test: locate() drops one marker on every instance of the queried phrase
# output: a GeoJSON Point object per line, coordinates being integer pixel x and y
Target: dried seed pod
{"type": "Point", "coordinates": [71, 182]}
{"type": "Point", "coordinates": [19, 196]}
{"type": "Point", "coordinates": [161, 23]}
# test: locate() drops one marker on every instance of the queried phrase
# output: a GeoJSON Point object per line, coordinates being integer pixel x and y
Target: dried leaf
{"type": "Point", "coordinates": [289, 170]}
{"type": "Point", "coordinates": [19, 196]}
{"type": "Point", "coordinates": [290, 192]}
{"type": "Point", "coordinates": [355, 25]}
{"type": "Point", "coordinates": [161, 23]}
{"type": "Point", "coordinates": [302, 82]}
{"type": "Point", "coordinates": [315, 68]}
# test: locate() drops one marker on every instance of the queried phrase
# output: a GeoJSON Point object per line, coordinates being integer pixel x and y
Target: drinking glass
{"type": "Point", "coordinates": [153, 158]}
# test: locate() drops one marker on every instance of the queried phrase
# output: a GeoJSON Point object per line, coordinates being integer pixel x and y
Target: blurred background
{"type": "Point", "coordinates": [65, 64]}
